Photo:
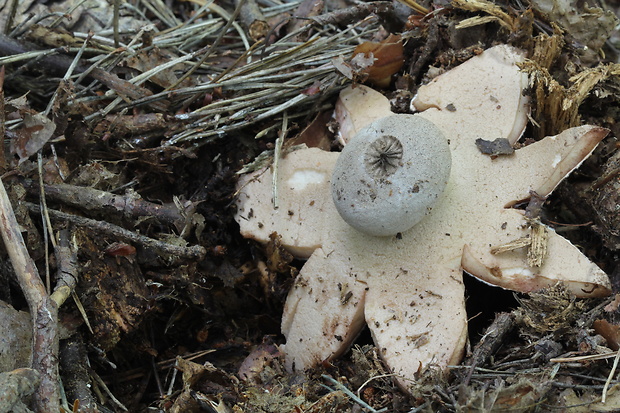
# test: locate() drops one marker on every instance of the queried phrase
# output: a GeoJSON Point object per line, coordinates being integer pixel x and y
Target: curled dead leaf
{"type": "Point", "coordinates": [35, 133]}
{"type": "Point", "coordinates": [387, 59]}
{"type": "Point", "coordinates": [610, 332]}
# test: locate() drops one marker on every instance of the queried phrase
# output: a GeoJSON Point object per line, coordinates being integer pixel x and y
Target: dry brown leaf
{"type": "Point", "coordinates": [35, 133]}
{"type": "Point", "coordinates": [387, 59]}
{"type": "Point", "coordinates": [610, 332]}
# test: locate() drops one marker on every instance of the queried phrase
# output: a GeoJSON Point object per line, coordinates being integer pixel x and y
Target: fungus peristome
{"type": "Point", "coordinates": [408, 289]}
{"type": "Point", "coordinates": [391, 174]}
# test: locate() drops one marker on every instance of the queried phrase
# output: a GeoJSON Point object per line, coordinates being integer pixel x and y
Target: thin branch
{"type": "Point", "coordinates": [43, 310]}
{"type": "Point", "coordinates": [168, 250]}
{"type": "Point", "coordinates": [68, 272]}
{"type": "Point", "coordinates": [102, 202]}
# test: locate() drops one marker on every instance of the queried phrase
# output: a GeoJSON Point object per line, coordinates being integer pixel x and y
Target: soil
{"type": "Point", "coordinates": [184, 315]}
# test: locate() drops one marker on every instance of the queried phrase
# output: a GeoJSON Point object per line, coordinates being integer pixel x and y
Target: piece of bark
{"type": "Point", "coordinates": [75, 375]}
{"type": "Point", "coordinates": [605, 202]}
{"type": "Point", "coordinates": [16, 333]}
{"type": "Point", "coordinates": [15, 385]}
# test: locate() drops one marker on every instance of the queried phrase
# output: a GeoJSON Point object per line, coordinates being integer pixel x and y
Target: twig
{"type": "Point", "coordinates": [102, 202]}
{"type": "Point", "coordinates": [489, 343]}
{"type": "Point", "coordinates": [60, 64]}
{"type": "Point", "coordinates": [163, 248]}
{"type": "Point", "coordinates": [253, 19]}
{"type": "Point", "coordinates": [108, 392]}
{"type": "Point", "coordinates": [354, 13]}
{"type": "Point", "coordinates": [43, 310]}
{"type": "Point", "coordinates": [67, 275]}
{"type": "Point", "coordinates": [116, 11]}
{"type": "Point", "coordinates": [589, 357]}
{"type": "Point", "coordinates": [47, 224]}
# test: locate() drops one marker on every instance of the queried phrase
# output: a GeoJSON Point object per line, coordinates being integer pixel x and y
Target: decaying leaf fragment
{"type": "Point", "coordinates": [36, 131]}
{"type": "Point", "coordinates": [386, 59]}
{"type": "Point", "coordinates": [373, 62]}
{"type": "Point", "coordinates": [610, 332]}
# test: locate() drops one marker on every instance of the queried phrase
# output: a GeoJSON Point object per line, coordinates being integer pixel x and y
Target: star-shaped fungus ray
{"type": "Point", "coordinates": [498, 183]}
{"type": "Point", "coordinates": [408, 288]}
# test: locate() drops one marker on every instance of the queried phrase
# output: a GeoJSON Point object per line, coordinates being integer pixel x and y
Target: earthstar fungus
{"type": "Point", "coordinates": [391, 174]}
{"type": "Point", "coordinates": [408, 288]}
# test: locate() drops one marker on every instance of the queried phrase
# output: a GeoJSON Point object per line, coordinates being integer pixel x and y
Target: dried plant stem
{"type": "Point", "coordinates": [10, 16]}
{"type": "Point", "coordinates": [43, 309]}
{"type": "Point", "coordinates": [276, 158]}
{"type": "Point", "coordinates": [213, 46]}
{"type": "Point", "coordinates": [612, 373]}
{"type": "Point", "coordinates": [116, 11]}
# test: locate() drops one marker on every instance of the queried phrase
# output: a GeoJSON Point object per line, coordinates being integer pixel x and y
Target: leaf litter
{"type": "Point", "coordinates": [163, 103]}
